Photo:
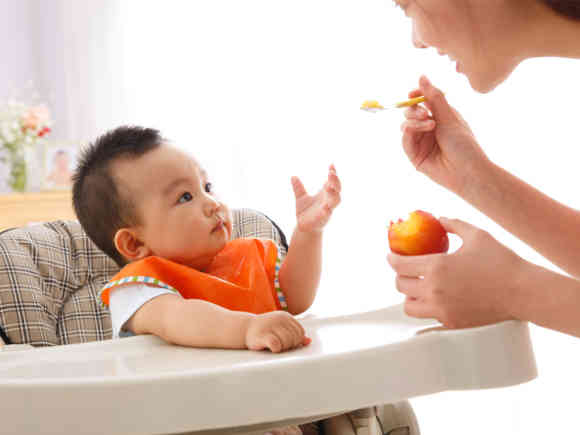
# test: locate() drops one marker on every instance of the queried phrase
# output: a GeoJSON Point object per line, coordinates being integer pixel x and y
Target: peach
{"type": "Point", "coordinates": [420, 234]}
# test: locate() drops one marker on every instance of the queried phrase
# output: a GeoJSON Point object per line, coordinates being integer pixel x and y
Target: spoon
{"type": "Point", "coordinates": [374, 106]}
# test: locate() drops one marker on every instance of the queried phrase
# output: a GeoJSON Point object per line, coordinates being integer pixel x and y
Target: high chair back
{"type": "Point", "coordinates": [51, 274]}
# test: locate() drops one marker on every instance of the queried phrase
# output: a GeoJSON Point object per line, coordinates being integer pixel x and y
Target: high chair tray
{"type": "Point", "coordinates": [144, 385]}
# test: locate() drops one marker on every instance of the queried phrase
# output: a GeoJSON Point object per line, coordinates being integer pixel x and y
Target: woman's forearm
{"type": "Point", "coordinates": [546, 298]}
{"type": "Point", "coordinates": [300, 273]}
{"type": "Point", "coordinates": [548, 226]}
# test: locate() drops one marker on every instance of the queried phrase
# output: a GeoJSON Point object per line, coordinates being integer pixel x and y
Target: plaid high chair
{"type": "Point", "coordinates": [50, 277]}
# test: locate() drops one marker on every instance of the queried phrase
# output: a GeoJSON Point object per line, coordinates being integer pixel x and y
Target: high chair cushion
{"type": "Point", "coordinates": [51, 274]}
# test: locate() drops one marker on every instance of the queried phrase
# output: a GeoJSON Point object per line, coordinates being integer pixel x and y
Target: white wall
{"type": "Point", "coordinates": [62, 52]}
{"type": "Point", "coordinates": [18, 63]}
{"type": "Point", "coordinates": [261, 90]}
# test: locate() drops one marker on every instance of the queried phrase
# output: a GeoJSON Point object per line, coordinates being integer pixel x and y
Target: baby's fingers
{"type": "Point", "coordinates": [266, 341]}
{"type": "Point", "coordinates": [297, 327]}
{"type": "Point", "coordinates": [273, 342]}
{"type": "Point", "coordinates": [300, 333]}
{"type": "Point", "coordinates": [298, 187]}
{"type": "Point", "coordinates": [332, 201]}
{"type": "Point", "coordinates": [333, 182]}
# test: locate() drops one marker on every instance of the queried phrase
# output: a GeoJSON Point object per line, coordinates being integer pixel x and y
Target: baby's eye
{"type": "Point", "coordinates": [208, 187]}
{"type": "Point", "coordinates": [186, 197]}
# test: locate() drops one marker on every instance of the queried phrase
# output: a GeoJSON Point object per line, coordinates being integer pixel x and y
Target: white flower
{"type": "Point", "coordinates": [7, 134]}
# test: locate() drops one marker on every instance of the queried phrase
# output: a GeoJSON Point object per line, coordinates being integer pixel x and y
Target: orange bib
{"type": "Point", "coordinates": [242, 277]}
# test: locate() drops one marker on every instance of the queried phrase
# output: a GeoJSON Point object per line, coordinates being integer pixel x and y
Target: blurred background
{"type": "Point", "coordinates": [261, 90]}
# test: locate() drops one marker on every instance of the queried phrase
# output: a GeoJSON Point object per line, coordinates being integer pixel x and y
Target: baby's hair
{"type": "Point", "coordinates": [101, 207]}
{"type": "Point", "coordinates": [567, 8]}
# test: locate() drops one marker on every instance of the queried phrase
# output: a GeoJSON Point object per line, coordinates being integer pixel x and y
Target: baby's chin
{"type": "Point", "coordinates": [229, 228]}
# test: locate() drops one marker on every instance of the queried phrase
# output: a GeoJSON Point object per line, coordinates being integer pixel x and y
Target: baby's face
{"type": "Point", "coordinates": [180, 217]}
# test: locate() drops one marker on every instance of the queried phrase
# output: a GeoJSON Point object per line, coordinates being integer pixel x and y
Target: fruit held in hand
{"type": "Point", "coordinates": [419, 235]}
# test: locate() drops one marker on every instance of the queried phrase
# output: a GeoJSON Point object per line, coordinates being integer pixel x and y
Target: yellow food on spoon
{"type": "Point", "coordinates": [371, 104]}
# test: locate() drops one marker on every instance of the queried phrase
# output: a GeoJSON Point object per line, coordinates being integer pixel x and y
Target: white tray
{"type": "Point", "coordinates": [143, 385]}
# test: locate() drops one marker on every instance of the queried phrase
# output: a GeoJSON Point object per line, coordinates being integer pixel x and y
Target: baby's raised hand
{"type": "Point", "coordinates": [313, 212]}
{"type": "Point", "coordinates": [277, 331]}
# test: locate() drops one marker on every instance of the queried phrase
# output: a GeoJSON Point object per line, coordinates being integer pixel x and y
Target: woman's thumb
{"type": "Point", "coordinates": [434, 99]}
{"type": "Point", "coordinates": [456, 226]}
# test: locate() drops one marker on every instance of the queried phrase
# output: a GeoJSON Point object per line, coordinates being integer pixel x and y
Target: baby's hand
{"type": "Point", "coordinates": [313, 212]}
{"type": "Point", "coordinates": [277, 331]}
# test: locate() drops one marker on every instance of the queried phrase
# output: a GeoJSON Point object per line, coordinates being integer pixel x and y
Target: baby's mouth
{"type": "Point", "coordinates": [220, 224]}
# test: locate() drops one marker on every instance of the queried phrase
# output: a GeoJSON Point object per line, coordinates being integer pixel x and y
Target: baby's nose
{"type": "Point", "coordinates": [215, 208]}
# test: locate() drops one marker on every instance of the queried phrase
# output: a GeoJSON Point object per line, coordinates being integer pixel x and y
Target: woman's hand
{"type": "Point", "coordinates": [439, 142]}
{"type": "Point", "coordinates": [470, 287]}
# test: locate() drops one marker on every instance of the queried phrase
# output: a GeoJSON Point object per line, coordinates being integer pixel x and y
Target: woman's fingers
{"type": "Point", "coordinates": [419, 309]}
{"type": "Point", "coordinates": [416, 126]}
{"type": "Point", "coordinates": [457, 226]}
{"type": "Point", "coordinates": [411, 287]}
{"type": "Point", "coordinates": [417, 112]}
{"type": "Point", "coordinates": [435, 100]}
{"type": "Point", "coordinates": [412, 266]}
{"type": "Point", "coordinates": [415, 93]}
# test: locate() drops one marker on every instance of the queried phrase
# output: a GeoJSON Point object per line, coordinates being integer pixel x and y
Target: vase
{"type": "Point", "coordinates": [18, 169]}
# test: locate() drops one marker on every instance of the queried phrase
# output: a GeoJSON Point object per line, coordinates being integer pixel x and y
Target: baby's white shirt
{"type": "Point", "coordinates": [124, 301]}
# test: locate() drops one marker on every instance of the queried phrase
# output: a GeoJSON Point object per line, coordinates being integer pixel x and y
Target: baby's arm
{"type": "Point", "coordinates": [197, 323]}
{"type": "Point", "coordinates": [300, 272]}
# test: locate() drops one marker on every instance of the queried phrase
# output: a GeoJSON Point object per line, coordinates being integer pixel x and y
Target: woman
{"type": "Point", "coordinates": [485, 282]}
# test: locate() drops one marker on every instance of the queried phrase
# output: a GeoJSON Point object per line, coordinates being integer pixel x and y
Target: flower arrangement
{"type": "Point", "coordinates": [21, 127]}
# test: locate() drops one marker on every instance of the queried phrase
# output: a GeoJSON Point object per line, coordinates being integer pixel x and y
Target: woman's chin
{"type": "Point", "coordinates": [482, 87]}
{"type": "Point", "coordinates": [486, 81]}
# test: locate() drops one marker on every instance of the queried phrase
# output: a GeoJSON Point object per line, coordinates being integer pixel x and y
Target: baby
{"type": "Point", "coordinates": [152, 209]}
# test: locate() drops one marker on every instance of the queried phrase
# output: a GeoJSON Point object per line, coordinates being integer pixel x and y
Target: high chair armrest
{"type": "Point", "coordinates": [3, 338]}
{"type": "Point", "coordinates": [6, 346]}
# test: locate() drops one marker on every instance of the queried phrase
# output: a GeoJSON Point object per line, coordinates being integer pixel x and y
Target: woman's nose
{"type": "Point", "coordinates": [416, 39]}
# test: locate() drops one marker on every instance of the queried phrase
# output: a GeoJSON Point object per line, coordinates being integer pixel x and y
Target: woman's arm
{"type": "Point", "coordinates": [547, 299]}
{"type": "Point", "coordinates": [548, 226]}
{"type": "Point", "coordinates": [485, 282]}
{"type": "Point", "coordinates": [442, 146]}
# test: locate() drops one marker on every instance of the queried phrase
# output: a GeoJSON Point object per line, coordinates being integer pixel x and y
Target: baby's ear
{"type": "Point", "coordinates": [129, 245]}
